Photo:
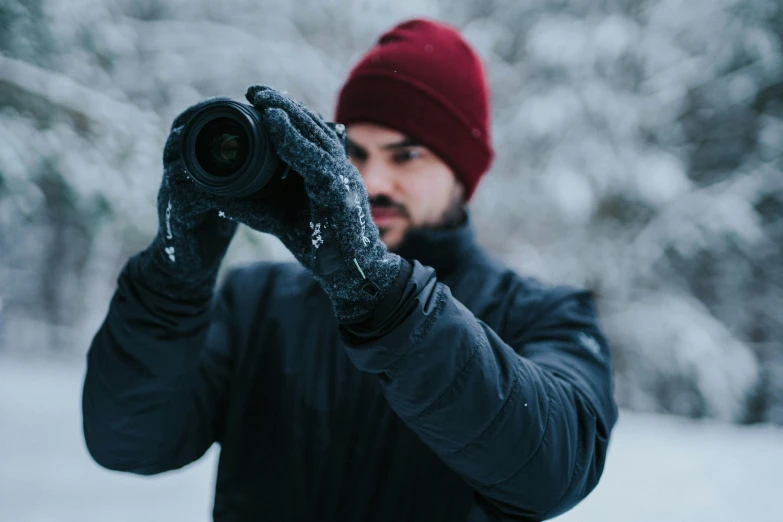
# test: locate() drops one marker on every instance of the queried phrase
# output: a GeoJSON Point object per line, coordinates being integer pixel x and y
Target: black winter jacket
{"type": "Point", "coordinates": [472, 393]}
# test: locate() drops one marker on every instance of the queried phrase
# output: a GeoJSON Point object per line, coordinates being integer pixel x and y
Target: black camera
{"type": "Point", "coordinates": [226, 151]}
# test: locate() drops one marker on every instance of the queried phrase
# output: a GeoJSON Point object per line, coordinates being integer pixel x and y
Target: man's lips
{"type": "Point", "coordinates": [385, 214]}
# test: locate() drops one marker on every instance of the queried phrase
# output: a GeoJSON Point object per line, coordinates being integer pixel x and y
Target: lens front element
{"type": "Point", "coordinates": [222, 147]}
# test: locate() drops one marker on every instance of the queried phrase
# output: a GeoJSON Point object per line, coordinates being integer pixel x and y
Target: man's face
{"type": "Point", "coordinates": [408, 185]}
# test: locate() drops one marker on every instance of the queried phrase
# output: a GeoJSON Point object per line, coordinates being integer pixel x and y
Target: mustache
{"type": "Point", "coordinates": [386, 202]}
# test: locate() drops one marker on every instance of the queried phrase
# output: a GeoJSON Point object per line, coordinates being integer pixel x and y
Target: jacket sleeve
{"type": "Point", "coordinates": [157, 378]}
{"type": "Point", "coordinates": [525, 420]}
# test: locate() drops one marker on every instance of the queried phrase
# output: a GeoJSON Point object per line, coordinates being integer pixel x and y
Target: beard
{"type": "Point", "coordinates": [453, 217]}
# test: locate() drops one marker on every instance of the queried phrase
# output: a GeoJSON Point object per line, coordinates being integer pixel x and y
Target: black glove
{"type": "Point", "coordinates": [195, 227]}
{"type": "Point", "coordinates": [341, 245]}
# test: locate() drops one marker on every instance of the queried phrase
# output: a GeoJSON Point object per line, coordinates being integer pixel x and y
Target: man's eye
{"type": "Point", "coordinates": [354, 153]}
{"type": "Point", "coordinates": [404, 156]}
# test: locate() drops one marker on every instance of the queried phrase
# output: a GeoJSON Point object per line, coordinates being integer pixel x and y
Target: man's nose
{"type": "Point", "coordinates": [377, 178]}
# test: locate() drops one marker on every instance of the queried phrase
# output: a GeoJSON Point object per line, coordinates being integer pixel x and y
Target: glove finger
{"type": "Point", "coordinates": [250, 95]}
{"type": "Point", "coordinates": [177, 177]}
{"type": "Point", "coordinates": [186, 197]}
{"type": "Point", "coordinates": [268, 96]}
{"type": "Point", "coordinates": [305, 121]}
{"type": "Point", "coordinates": [171, 150]}
{"type": "Point", "coordinates": [183, 209]}
{"type": "Point", "coordinates": [309, 160]}
{"type": "Point", "coordinates": [308, 122]}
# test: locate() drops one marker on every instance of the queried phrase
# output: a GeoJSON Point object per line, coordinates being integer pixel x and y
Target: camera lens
{"type": "Point", "coordinates": [222, 147]}
{"type": "Point", "coordinates": [227, 152]}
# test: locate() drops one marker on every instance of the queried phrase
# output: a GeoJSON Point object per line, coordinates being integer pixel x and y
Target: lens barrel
{"type": "Point", "coordinates": [226, 151]}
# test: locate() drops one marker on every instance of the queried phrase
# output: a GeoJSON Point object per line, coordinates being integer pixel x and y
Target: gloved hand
{"type": "Point", "coordinates": [342, 248]}
{"type": "Point", "coordinates": [195, 227]}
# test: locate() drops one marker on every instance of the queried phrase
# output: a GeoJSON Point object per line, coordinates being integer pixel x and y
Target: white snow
{"type": "Point", "coordinates": [659, 468]}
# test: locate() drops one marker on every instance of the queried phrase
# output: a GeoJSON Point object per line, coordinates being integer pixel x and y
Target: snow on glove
{"type": "Point", "coordinates": [343, 249]}
{"type": "Point", "coordinates": [196, 227]}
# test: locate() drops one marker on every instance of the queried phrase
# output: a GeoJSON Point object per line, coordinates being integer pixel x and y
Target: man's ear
{"type": "Point", "coordinates": [462, 193]}
{"type": "Point", "coordinates": [457, 206]}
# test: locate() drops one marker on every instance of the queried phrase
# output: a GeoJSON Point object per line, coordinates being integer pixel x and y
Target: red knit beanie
{"type": "Point", "coordinates": [423, 80]}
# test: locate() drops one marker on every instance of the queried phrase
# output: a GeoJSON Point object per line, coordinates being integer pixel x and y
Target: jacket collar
{"type": "Point", "coordinates": [444, 249]}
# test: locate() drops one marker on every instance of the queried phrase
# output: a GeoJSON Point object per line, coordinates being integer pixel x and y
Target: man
{"type": "Point", "coordinates": [409, 378]}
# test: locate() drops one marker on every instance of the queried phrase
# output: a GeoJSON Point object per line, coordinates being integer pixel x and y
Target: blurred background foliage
{"type": "Point", "coordinates": [638, 154]}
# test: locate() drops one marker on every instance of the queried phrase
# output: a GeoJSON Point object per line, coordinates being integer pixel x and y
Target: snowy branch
{"type": "Point", "coordinates": [65, 92]}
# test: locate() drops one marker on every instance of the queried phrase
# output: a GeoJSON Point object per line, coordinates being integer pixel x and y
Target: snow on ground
{"type": "Point", "coordinates": [659, 468]}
